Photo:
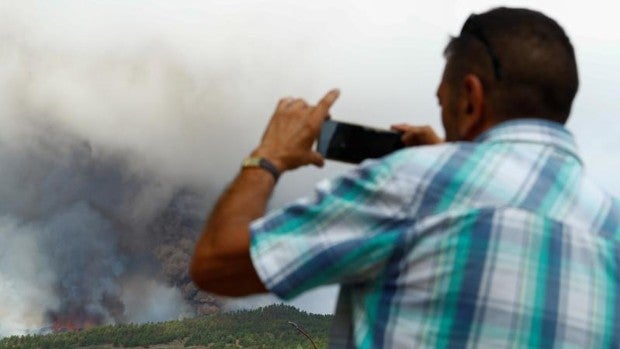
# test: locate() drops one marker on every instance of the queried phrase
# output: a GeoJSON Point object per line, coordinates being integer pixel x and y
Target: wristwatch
{"type": "Point", "coordinates": [260, 162]}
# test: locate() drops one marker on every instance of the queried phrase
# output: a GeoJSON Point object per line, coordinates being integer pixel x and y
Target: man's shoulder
{"type": "Point", "coordinates": [421, 159]}
{"type": "Point", "coordinates": [426, 152]}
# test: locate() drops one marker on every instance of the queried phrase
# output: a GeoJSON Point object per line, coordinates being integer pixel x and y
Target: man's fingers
{"type": "Point", "coordinates": [326, 102]}
{"type": "Point", "coordinates": [411, 139]}
{"type": "Point", "coordinates": [316, 159]}
{"type": "Point", "coordinates": [299, 103]}
{"type": "Point", "coordinates": [284, 101]}
{"type": "Point", "coordinates": [417, 135]}
{"type": "Point", "coordinates": [400, 127]}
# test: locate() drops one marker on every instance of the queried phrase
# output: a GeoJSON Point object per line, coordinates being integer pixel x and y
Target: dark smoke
{"type": "Point", "coordinates": [96, 241]}
{"type": "Point", "coordinates": [175, 229]}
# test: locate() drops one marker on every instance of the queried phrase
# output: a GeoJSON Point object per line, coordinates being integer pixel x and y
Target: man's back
{"type": "Point", "coordinates": [497, 243]}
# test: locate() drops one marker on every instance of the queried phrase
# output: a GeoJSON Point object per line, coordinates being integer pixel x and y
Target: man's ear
{"type": "Point", "coordinates": [472, 120]}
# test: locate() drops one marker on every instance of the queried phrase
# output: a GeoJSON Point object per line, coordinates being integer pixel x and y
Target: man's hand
{"type": "Point", "coordinates": [293, 128]}
{"type": "Point", "coordinates": [417, 135]}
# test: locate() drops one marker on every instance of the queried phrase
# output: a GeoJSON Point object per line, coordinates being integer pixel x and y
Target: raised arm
{"type": "Point", "coordinates": [221, 263]}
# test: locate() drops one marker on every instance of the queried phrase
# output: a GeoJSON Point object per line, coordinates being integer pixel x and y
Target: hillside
{"type": "Point", "coordinates": [266, 327]}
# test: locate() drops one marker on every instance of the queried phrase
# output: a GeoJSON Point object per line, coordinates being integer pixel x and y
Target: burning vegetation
{"type": "Point", "coordinates": [73, 321]}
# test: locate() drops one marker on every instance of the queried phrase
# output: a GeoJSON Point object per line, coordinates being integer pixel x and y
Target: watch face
{"type": "Point", "coordinates": [251, 162]}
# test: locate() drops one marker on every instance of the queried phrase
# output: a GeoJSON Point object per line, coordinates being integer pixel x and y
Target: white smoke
{"type": "Point", "coordinates": [26, 278]}
{"type": "Point", "coordinates": [147, 300]}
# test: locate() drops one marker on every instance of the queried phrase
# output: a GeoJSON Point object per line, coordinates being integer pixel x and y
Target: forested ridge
{"type": "Point", "coordinates": [267, 327]}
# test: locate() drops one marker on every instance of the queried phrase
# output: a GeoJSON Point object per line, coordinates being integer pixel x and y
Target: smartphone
{"type": "Point", "coordinates": [355, 143]}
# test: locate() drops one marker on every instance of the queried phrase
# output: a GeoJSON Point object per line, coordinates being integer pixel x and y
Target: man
{"type": "Point", "coordinates": [495, 238]}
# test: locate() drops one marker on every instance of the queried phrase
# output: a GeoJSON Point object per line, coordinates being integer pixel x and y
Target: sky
{"type": "Point", "coordinates": [186, 87]}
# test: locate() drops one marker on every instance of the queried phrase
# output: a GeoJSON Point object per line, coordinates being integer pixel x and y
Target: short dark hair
{"type": "Point", "coordinates": [524, 59]}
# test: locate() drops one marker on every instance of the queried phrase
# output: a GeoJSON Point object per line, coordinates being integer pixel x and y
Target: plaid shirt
{"type": "Point", "coordinates": [501, 242]}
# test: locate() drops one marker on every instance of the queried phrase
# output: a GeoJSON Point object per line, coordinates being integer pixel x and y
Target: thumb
{"type": "Point", "coordinates": [315, 159]}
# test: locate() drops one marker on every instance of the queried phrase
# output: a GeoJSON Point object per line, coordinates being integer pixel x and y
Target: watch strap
{"type": "Point", "coordinates": [260, 162]}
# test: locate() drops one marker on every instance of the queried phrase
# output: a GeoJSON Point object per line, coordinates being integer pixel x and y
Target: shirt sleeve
{"type": "Point", "coordinates": [345, 233]}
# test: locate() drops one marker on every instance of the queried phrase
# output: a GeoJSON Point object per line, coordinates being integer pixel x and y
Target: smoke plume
{"type": "Point", "coordinates": [88, 241]}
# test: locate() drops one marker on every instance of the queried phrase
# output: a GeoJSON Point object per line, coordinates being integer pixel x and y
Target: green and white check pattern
{"type": "Point", "coordinates": [499, 243]}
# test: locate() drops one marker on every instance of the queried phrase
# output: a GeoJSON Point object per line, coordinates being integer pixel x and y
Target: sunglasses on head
{"type": "Point", "coordinates": [473, 28]}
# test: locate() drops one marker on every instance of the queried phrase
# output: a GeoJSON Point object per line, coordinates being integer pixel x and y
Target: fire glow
{"type": "Point", "coordinates": [73, 321]}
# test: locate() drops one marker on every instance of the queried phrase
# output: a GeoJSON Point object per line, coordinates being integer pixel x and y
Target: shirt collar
{"type": "Point", "coordinates": [532, 131]}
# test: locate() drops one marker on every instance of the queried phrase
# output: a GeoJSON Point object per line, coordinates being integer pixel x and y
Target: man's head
{"type": "Point", "coordinates": [506, 64]}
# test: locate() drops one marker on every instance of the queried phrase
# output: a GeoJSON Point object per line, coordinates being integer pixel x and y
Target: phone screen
{"type": "Point", "coordinates": [355, 143]}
